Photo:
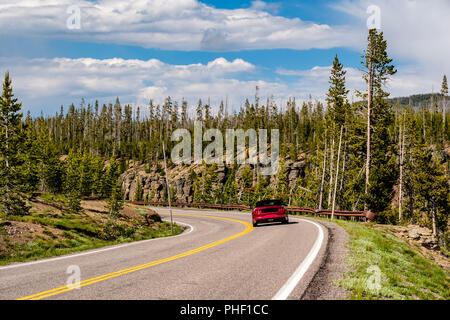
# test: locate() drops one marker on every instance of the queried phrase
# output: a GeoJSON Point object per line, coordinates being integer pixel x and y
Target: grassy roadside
{"type": "Point", "coordinates": [47, 233]}
{"type": "Point", "coordinates": [404, 272]}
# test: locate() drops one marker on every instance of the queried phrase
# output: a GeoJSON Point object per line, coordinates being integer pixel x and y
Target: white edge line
{"type": "Point", "coordinates": [295, 278]}
{"type": "Point", "coordinates": [24, 264]}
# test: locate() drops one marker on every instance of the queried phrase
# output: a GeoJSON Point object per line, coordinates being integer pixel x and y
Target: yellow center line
{"type": "Point", "coordinates": [59, 290]}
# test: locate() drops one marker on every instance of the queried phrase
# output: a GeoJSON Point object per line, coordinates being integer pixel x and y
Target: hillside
{"type": "Point", "coordinates": [416, 100]}
{"type": "Point", "coordinates": [49, 232]}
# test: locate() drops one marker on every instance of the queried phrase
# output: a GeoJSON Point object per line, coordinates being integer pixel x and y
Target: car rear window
{"type": "Point", "coordinates": [268, 203]}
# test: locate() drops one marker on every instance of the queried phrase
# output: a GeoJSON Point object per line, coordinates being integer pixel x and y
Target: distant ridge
{"type": "Point", "coordinates": [416, 100]}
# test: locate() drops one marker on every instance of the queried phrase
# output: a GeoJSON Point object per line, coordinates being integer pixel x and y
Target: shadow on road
{"type": "Point", "coordinates": [274, 224]}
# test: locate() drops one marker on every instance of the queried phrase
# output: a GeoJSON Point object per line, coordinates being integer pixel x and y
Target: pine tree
{"type": "Point", "coordinates": [72, 183]}
{"type": "Point", "coordinates": [338, 108]}
{"type": "Point", "coordinates": [282, 187]}
{"type": "Point", "coordinates": [336, 117]}
{"type": "Point", "coordinates": [115, 200]}
{"type": "Point", "coordinates": [230, 188]}
{"type": "Point", "coordinates": [199, 111]}
{"type": "Point", "coordinates": [203, 185]}
{"type": "Point", "coordinates": [110, 177]}
{"type": "Point", "coordinates": [139, 193]}
{"type": "Point", "coordinates": [380, 174]}
{"type": "Point", "coordinates": [31, 166]}
{"type": "Point", "coordinates": [51, 173]}
{"type": "Point", "coordinates": [86, 175]}
{"type": "Point", "coordinates": [432, 189]}
{"type": "Point", "coordinates": [444, 92]}
{"type": "Point", "coordinates": [12, 182]}
{"type": "Point", "coordinates": [245, 183]}
{"type": "Point", "coordinates": [97, 184]}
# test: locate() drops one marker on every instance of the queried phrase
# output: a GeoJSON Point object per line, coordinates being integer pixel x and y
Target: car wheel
{"type": "Point", "coordinates": [255, 224]}
{"type": "Point", "coordinates": [286, 221]}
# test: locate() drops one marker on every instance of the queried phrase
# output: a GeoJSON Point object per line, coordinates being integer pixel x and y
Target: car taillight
{"type": "Point", "coordinates": [281, 210]}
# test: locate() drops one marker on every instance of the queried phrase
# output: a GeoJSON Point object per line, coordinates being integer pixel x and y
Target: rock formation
{"type": "Point", "coordinates": [153, 181]}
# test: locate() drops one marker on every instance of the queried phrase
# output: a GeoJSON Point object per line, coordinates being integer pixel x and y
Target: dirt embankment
{"type": "Point", "coordinates": [47, 223]}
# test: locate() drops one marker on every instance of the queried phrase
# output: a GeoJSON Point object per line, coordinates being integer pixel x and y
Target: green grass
{"type": "Point", "coordinates": [79, 233]}
{"type": "Point", "coordinates": [405, 272]}
{"type": "Point", "coordinates": [50, 197]}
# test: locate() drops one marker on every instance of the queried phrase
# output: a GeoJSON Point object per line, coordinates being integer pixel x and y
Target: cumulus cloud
{"type": "Point", "coordinates": [315, 81]}
{"type": "Point", "coordinates": [47, 83]}
{"type": "Point", "coordinates": [273, 7]}
{"type": "Point", "coordinates": [416, 31]}
{"type": "Point", "coordinates": [171, 24]}
{"type": "Point", "coordinates": [417, 35]}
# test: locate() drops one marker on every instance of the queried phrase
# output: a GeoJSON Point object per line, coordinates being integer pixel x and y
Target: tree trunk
{"type": "Point", "coordinates": [369, 110]}
{"type": "Point", "coordinates": [343, 160]}
{"type": "Point", "coordinates": [8, 169]}
{"type": "Point", "coordinates": [402, 157]}
{"type": "Point", "coordinates": [323, 175]}
{"type": "Point", "coordinates": [423, 124]}
{"type": "Point", "coordinates": [411, 209]}
{"type": "Point", "coordinates": [444, 112]}
{"type": "Point", "coordinates": [337, 173]}
{"type": "Point", "coordinates": [331, 174]}
{"type": "Point", "coordinates": [434, 220]}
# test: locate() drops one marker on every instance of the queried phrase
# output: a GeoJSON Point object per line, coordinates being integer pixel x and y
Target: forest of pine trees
{"type": "Point", "coordinates": [389, 158]}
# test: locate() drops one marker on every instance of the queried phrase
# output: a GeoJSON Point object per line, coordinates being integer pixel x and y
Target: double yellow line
{"type": "Point", "coordinates": [52, 292]}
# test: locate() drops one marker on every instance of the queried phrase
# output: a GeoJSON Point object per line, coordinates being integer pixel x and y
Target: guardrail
{"type": "Point", "coordinates": [360, 215]}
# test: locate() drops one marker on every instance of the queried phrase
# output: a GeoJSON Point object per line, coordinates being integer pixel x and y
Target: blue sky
{"type": "Point", "coordinates": [150, 49]}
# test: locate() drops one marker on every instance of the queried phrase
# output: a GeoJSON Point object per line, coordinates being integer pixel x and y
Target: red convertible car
{"type": "Point", "coordinates": [269, 211]}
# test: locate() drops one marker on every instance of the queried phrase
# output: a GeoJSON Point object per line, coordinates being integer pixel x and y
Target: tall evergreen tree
{"type": "Point", "coordinates": [380, 175]}
{"type": "Point", "coordinates": [12, 182]}
{"type": "Point", "coordinates": [338, 108]}
{"type": "Point", "coordinates": [444, 92]}
{"type": "Point", "coordinates": [432, 188]}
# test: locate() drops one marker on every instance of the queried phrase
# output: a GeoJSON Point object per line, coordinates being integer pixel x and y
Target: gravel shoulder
{"type": "Point", "coordinates": [333, 266]}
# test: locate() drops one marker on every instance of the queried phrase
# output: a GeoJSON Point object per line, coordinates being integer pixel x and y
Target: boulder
{"type": "Point", "coordinates": [151, 217]}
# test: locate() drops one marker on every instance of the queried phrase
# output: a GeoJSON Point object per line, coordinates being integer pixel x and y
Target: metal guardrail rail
{"type": "Point", "coordinates": [360, 215]}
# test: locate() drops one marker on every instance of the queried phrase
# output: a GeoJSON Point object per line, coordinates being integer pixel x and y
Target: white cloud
{"type": "Point", "coordinates": [50, 82]}
{"type": "Point", "coordinates": [273, 7]}
{"type": "Point", "coordinates": [417, 32]}
{"type": "Point", "coordinates": [315, 81]}
{"type": "Point", "coordinates": [45, 84]}
{"type": "Point", "coordinates": [171, 24]}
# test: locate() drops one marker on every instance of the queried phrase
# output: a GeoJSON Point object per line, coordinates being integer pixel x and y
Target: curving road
{"type": "Point", "coordinates": [220, 256]}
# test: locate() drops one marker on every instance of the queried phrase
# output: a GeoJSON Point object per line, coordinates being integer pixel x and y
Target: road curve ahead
{"type": "Point", "coordinates": [220, 256]}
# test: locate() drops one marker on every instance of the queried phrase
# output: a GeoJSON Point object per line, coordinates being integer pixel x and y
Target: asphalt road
{"type": "Point", "coordinates": [219, 256]}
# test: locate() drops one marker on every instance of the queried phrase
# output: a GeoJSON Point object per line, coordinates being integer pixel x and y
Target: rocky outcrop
{"type": "Point", "coordinates": [422, 239]}
{"type": "Point", "coordinates": [422, 236]}
{"type": "Point", "coordinates": [295, 170]}
{"type": "Point", "coordinates": [153, 181]}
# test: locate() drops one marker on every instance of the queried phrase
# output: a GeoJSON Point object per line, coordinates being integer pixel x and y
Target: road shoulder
{"type": "Point", "coordinates": [332, 266]}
